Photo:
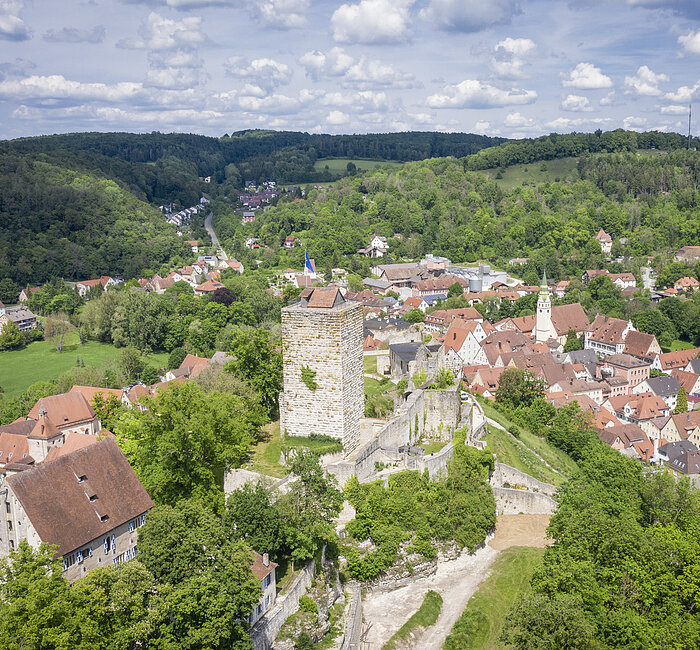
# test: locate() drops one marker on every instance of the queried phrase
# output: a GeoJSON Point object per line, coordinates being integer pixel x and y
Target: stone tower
{"type": "Point", "coordinates": [543, 326]}
{"type": "Point", "coordinates": [323, 368]}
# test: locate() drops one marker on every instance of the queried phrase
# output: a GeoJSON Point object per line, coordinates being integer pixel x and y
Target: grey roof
{"type": "Point", "coordinates": [695, 366]}
{"type": "Point", "coordinates": [672, 449]}
{"type": "Point", "coordinates": [386, 323]}
{"type": "Point", "coordinates": [664, 386]}
{"type": "Point", "coordinates": [379, 284]}
{"type": "Point", "coordinates": [405, 351]}
{"type": "Point", "coordinates": [582, 356]}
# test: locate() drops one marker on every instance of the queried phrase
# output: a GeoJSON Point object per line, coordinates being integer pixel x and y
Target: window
{"type": "Point", "coordinates": [7, 506]}
{"type": "Point", "coordinates": [79, 556]}
{"type": "Point", "coordinates": [9, 525]}
{"type": "Point", "coordinates": [114, 544]}
{"type": "Point", "coordinates": [131, 526]}
{"type": "Point", "coordinates": [82, 478]}
{"type": "Point", "coordinates": [106, 545]}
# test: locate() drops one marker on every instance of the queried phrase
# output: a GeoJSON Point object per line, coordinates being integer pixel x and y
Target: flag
{"type": "Point", "coordinates": [308, 267]}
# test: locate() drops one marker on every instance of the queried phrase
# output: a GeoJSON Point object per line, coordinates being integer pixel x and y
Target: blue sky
{"type": "Point", "coordinates": [515, 68]}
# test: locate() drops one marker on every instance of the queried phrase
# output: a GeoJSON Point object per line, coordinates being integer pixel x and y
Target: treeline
{"type": "Point", "coordinates": [56, 222]}
{"type": "Point", "coordinates": [557, 145]}
{"type": "Point", "coordinates": [285, 156]}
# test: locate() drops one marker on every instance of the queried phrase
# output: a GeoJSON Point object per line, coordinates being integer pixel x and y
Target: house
{"type": "Point", "coordinates": [92, 392]}
{"type": "Point", "coordinates": [252, 243]}
{"type": "Point", "coordinates": [439, 320]}
{"type": "Point", "coordinates": [437, 285]}
{"type": "Point", "coordinates": [377, 247]}
{"type": "Point", "coordinates": [248, 217]}
{"type": "Point", "coordinates": [88, 503]}
{"type": "Point", "coordinates": [190, 367]}
{"type": "Point", "coordinates": [642, 345]}
{"type": "Point", "coordinates": [560, 288]}
{"type": "Point", "coordinates": [194, 244]}
{"type": "Point", "coordinates": [622, 436]}
{"type": "Point", "coordinates": [406, 359]}
{"type": "Point", "coordinates": [380, 286]}
{"type": "Point", "coordinates": [605, 241]}
{"type": "Point", "coordinates": [208, 287]}
{"type": "Point", "coordinates": [563, 318]}
{"type": "Point", "coordinates": [233, 264]}
{"type": "Point", "coordinates": [67, 412]}
{"type": "Point", "coordinates": [689, 380]}
{"type": "Point", "coordinates": [682, 458]}
{"type": "Point", "coordinates": [579, 387]}
{"type": "Point", "coordinates": [291, 241]}
{"type": "Point", "coordinates": [264, 571]}
{"type": "Point", "coordinates": [683, 426]}
{"type": "Point", "coordinates": [414, 303]}
{"type": "Point", "coordinates": [664, 387]}
{"type": "Point", "coordinates": [667, 361]}
{"type": "Point", "coordinates": [488, 379]}
{"type": "Point", "coordinates": [84, 286]}
{"type": "Point", "coordinates": [606, 335]}
{"type": "Point", "coordinates": [633, 370]}
{"type": "Point", "coordinates": [386, 329]}
{"type": "Point", "coordinates": [688, 254]}
{"type": "Point", "coordinates": [23, 318]}
{"type": "Point", "coordinates": [622, 280]}
{"type": "Point", "coordinates": [25, 294]}
{"type": "Point", "coordinates": [464, 339]}
{"type": "Point", "coordinates": [686, 284]}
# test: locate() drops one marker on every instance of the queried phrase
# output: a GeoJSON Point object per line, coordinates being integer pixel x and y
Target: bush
{"type": "Point", "coordinates": [307, 604]}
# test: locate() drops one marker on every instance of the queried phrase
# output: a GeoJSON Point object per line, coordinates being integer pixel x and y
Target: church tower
{"type": "Point", "coordinates": [543, 326]}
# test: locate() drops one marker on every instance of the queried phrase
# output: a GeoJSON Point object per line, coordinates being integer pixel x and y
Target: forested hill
{"type": "Point", "coordinates": [56, 222]}
{"type": "Point", "coordinates": [284, 156]}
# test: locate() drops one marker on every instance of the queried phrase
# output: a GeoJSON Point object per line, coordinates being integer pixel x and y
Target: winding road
{"type": "Point", "coordinates": [214, 239]}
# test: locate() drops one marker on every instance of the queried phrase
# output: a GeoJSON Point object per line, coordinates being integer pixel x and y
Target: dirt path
{"type": "Point", "coordinates": [456, 581]}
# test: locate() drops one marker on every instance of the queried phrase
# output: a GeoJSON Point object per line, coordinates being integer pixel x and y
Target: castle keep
{"type": "Point", "coordinates": [323, 370]}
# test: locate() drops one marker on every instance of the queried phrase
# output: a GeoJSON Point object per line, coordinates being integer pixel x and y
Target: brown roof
{"type": "Point", "coordinates": [44, 428]}
{"type": "Point", "coordinates": [90, 392]}
{"type": "Point", "coordinates": [569, 317]}
{"type": "Point", "coordinates": [627, 433]}
{"type": "Point", "coordinates": [137, 391]}
{"type": "Point", "coordinates": [208, 286]}
{"type": "Point", "coordinates": [70, 519]}
{"type": "Point", "coordinates": [686, 423]}
{"type": "Point", "coordinates": [19, 427]}
{"type": "Point", "coordinates": [563, 398]}
{"type": "Point", "coordinates": [13, 447]}
{"type": "Point", "coordinates": [441, 283]}
{"type": "Point", "coordinates": [259, 569]}
{"type": "Point", "coordinates": [638, 343]}
{"type": "Point", "coordinates": [457, 333]}
{"type": "Point", "coordinates": [685, 379]}
{"type": "Point", "coordinates": [607, 330]}
{"type": "Point", "coordinates": [64, 410]}
{"type": "Point", "coordinates": [74, 441]}
{"type": "Point", "coordinates": [193, 365]}
{"type": "Point", "coordinates": [603, 236]}
{"type": "Point", "coordinates": [678, 359]}
{"type": "Point", "coordinates": [321, 297]}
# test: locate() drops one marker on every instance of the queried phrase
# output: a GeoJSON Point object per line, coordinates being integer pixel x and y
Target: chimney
{"type": "Point", "coordinates": [266, 559]}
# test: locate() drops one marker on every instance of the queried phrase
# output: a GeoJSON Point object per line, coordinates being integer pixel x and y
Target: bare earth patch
{"type": "Point", "coordinates": [456, 581]}
{"type": "Point", "coordinates": [521, 530]}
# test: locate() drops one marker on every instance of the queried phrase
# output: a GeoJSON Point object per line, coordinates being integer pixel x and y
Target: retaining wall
{"type": "Point", "coordinates": [503, 474]}
{"type": "Point", "coordinates": [265, 631]}
{"type": "Point", "coordinates": [510, 501]}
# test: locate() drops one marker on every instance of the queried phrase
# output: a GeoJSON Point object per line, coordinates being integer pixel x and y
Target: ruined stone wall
{"type": "Point", "coordinates": [515, 502]}
{"type": "Point", "coordinates": [328, 342]}
{"type": "Point", "coordinates": [505, 474]}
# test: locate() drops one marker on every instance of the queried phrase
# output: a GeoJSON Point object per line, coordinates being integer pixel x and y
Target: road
{"type": "Point", "coordinates": [214, 239]}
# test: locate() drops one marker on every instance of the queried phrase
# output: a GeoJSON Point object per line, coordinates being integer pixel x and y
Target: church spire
{"type": "Point", "coordinates": [544, 287]}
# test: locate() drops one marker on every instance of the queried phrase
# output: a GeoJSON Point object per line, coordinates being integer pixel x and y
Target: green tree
{"type": "Point", "coordinates": [131, 363]}
{"type": "Point", "coordinates": [455, 290]}
{"type": "Point", "coordinates": [250, 516]}
{"type": "Point", "coordinates": [414, 316]}
{"type": "Point", "coordinates": [176, 357]}
{"type": "Point", "coordinates": [185, 441]}
{"type": "Point", "coordinates": [56, 328]}
{"type": "Point", "coordinates": [10, 336]}
{"type": "Point", "coordinates": [682, 401]}
{"type": "Point", "coordinates": [573, 342]}
{"type": "Point", "coordinates": [519, 388]}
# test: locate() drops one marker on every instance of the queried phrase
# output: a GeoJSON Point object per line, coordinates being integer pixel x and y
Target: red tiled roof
{"type": "Point", "coordinates": [64, 410]}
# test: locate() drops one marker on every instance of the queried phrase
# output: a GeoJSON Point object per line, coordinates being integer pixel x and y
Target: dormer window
{"type": "Point", "coordinates": [104, 517]}
{"type": "Point", "coordinates": [93, 498]}
{"type": "Point", "coordinates": [82, 478]}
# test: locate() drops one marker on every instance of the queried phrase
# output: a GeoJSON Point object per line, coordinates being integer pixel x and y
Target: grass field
{"type": "Point", "coordinates": [482, 620]}
{"type": "Point", "coordinates": [376, 387]}
{"type": "Point", "coordinates": [680, 345]}
{"type": "Point", "coordinates": [562, 168]}
{"type": "Point", "coordinates": [266, 455]}
{"type": "Point", "coordinates": [508, 451]}
{"type": "Point", "coordinates": [39, 361]}
{"type": "Point", "coordinates": [558, 459]}
{"type": "Point", "coordinates": [431, 446]}
{"type": "Point", "coordinates": [370, 363]}
{"type": "Point", "coordinates": [340, 165]}
{"type": "Point", "coordinates": [426, 616]}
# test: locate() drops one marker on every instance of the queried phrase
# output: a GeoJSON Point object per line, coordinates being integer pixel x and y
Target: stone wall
{"type": "Point", "coordinates": [514, 502]}
{"type": "Point", "coordinates": [265, 631]}
{"type": "Point", "coordinates": [329, 343]}
{"type": "Point", "coordinates": [505, 474]}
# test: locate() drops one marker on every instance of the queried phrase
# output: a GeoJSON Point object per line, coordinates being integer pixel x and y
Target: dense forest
{"type": "Point", "coordinates": [56, 222]}
{"type": "Point", "coordinates": [437, 206]}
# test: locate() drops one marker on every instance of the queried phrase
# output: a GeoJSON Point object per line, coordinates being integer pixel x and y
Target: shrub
{"type": "Point", "coordinates": [307, 604]}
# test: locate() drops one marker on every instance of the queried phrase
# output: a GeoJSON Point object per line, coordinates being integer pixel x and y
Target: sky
{"type": "Point", "coordinates": [513, 68]}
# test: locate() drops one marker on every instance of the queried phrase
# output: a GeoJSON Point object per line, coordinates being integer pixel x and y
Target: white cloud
{"type": "Point", "coordinates": [160, 33]}
{"type": "Point", "coordinates": [586, 77]}
{"type": "Point", "coordinates": [609, 99]}
{"type": "Point", "coordinates": [686, 8]}
{"type": "Point", "coordinates": [12, 27]}
{"type": "Point", "coordinates": [481, 126]}
{"type": "Point", "coordinates": [576, 104]}
{"type": "Point", "coordinates": [337, 117]}
{"type": "Point", "coordinates": [566, 124]}
{"type": "Point", "coordinates": [632, 123]}
{"type": "Point", "coordinates": [675, 109]}
{"type": "Point", "coordinates": [74, 35]}
{"type": "Point", "coordinates": [472, 93]}
{"type": "Point", "coordinates": [282, 14]}
{"type": "Point", "coordinates": [517, 120]}
{"type": "Point", "coordinates": [363, 73]}
{"type": "Point", "coordinates": [645, 82]}
{"type": "Point", "coordinates": [372, 22]}
{"type": "Point", "coordinates": [510, 56]}
{"type": "Point", "coordinates": [470, 15]}
{"type": "Point", "coordinates": [690, 42]}
{"type": "Point", "coordinates": [264, 73]}
{"type": "Point", "coordinates": [684, 94]}
{"type": "Point", "coordinates": [58, 87]}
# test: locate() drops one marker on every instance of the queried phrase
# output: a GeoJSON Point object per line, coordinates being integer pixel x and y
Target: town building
{"type": "Point", "coordinates": [264, 571]}
{"type": "Point", "coordinates": [88, 503]}
{"type": "Point", "coordinates": [23, 318]}
{"type": "Point", "coordinates": [323, 370]}
{"type": "Point", "coordinates": [605, 241]}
